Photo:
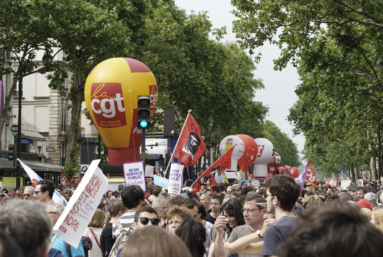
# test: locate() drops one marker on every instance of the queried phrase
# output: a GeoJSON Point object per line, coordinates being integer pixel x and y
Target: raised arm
{"type": "Point", "coordinates": [220, 249]}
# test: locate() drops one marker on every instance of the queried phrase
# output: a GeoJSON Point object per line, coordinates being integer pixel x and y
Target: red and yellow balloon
{"type": "Point", "coordinates": [111, 92]}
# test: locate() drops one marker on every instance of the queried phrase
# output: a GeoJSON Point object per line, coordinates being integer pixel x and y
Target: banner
{"type": "Point", "coordinates": [220, 179]}
{"type": "Point", "coordinates": [332, 182]}
{"type": "Point", "coordinates": [149, 171]}
{"type": "Point", "coordinates": [175, 178]}
{"type": "Point", "coordinates": [255, 183]}
{"type": "Point", "coordinates": [57, 198]}
{"type": "Point", "coordinates": [311, 177]}
{"type": "Point", "coordinates": [212, 182]}
{"type": "Point", "coordinates": [82, 206]}
{"type": "Point", "coordinates": [190, 145]}
{"type": "Point", "coordinates": [134, 174]}
{"type": "Point", "coordinates": [360, 182]}
{"type": "Point", "coordinates": [344, 176]}
{"type": "Point", "coordinates": [223, 162]}
{"type": "Point", "coordinates": [64, 180]}
{"type": "Point", "coordinates": [160, 181]}
{"type": "Point", "coordinates": [300, 180]}
{"type": "Point", "coordinates": [325, 179]}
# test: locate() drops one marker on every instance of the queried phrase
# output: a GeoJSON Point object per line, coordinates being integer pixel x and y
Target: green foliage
{"type": "Point", "coordinates": [74, 166]}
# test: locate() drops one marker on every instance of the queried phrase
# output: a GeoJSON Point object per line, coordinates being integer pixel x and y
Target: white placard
{"type": "Point", "coordinates": [360, 182]}
{"type": "Point", "coordinates": [82, 205]}
{"type": "Point", "coordinates": [255, 183]}
{"type": "Point", "coordinates": [134, 174]}
{"type": "Point", "coordinates": [149, 170]}
{"type": "Point", "coordinates": [220, 179]}
{"type": "Point", "coordinates": [175, 178]}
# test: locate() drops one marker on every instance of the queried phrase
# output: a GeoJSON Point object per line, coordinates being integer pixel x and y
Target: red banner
{"type": "Point", "coordinates": [325, 179]}
{"type": "Point", "coordinates": [223, 162]}
{"type": "Point", "coordinates": [311, 177]}
{"type": "Point", "coordinates": [190, 146]}
{"type": "Point", "coordinates": [332, 182]}
{"type": "Point", "coordinates": [64, 180]}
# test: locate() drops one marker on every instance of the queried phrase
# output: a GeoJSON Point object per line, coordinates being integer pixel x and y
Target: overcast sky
{"type": "Point", "coordinates": [279, 93]}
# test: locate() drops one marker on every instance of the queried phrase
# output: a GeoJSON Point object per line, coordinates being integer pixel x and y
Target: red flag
{"type": "Point", "coordinates": [325, 179]}
{"type": "Point", "coordinates": [190, 145]}
{"type": "Point", "coordinates": [311, 177]}
{"type": "Point", "coordinates": [332, 182]}
{"type": "Point", "coordinates": [212, 182]}
{"type": "Point", "coordinates": [224, 162]}
{"type": "Point", "coordinates": [64, 180]}
{"type": "Point", "coordinates": [147, 194]}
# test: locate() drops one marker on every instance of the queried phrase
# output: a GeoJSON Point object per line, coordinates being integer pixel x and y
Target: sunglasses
{"type": "Point", "coordinates": [145, 221]}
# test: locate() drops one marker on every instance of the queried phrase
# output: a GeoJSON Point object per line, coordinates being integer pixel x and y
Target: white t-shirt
{"type": "Point", "coordinates": [96, 250]}
{"type": "Point", "coordinates": [1, 186]}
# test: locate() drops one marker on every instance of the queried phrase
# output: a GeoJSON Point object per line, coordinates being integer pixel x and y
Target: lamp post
{"type": "Point", "coordinates": [18, 168]}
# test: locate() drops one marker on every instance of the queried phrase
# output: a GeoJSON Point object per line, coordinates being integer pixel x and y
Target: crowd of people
{"type": "Point", "coordinates": [276, 219]}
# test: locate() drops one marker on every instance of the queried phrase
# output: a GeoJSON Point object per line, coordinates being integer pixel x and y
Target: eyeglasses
{"type": "Point", "coordinates": [266, 195]}
{"type": "Point", "coordinates": [145, 221]}
{"type": "Point", "coordinates": [249, 210]}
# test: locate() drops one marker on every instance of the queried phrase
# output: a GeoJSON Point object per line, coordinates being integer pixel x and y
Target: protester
{"type": "Point", "coordinates": [27, 224]}
{"type": "Point", "coordinates": [152, 241]}
{"type": "Point", "coordinates": [116, 209]}
{"type": "Point", "coordinates": [366, 212]}
{"type": "Point", "coordinates": [281, 195]}
{"type": "Point", "coordinates": [175, 201]}
{"type": "Point", "coordinates": [360, 192]}
{"type": "Point", "coordinates": [205, 199]}
{"type": "Point", "coordinates": [333, 231]}
{"type": "Point", "coordinates": [67, 195]}
{"type": "Point", "coordinates": [93, 231]}
{"type": "Point", "coordinates": [372, 198]}
{"type": "Point", "coordinates": [215, 191]}
{"type": "Point", "coordinates": [202, 215]}
{"type": "Point", "coordinates": [29, 191]}
{"type": "Point", "coordinates": [245, 190]}
{"type": "Point", "coordinates": [54, 211]}
{"type": "Point", "coordinates": [193, 234]}
{"type": "Point", "coordinates": [192, 206]}
{"type": "Point", "coordinates": [236, 190]}
{"type": "Point", "coordinates": [311, 201]}
{"type": "Point", "coordinates": [363, 203]}
{"type": "Point", "coordinates": [215, 204]}
{"type": "Point", "coordinates": [161, 206]}
{"type": "Point", "coordinates": [175, 216]}
{"type": "Point", "coordinates": [146, 216]}
{"type": "Point", "coordinates": [44, 191]}
{"type": "Point", "coordinates": [329, 191]}
{"type": "Point", "coordinates": [132, 197]}
{"type": "Point", "coordinates": [8, 246]}
{"type": "Point", "coordinates": [377, 218]}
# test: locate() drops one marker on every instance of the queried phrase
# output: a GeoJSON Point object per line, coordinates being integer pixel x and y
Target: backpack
{"type": "Point", "coordinates": [86, 243]}
{"type": "Point", "coordinates": [121, 239]}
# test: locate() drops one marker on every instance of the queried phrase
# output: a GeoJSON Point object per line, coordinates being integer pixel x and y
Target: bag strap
{"type": "Point", "coordinates": [68, 250]}
{"type": "Point", "coordinates": [95, 238]}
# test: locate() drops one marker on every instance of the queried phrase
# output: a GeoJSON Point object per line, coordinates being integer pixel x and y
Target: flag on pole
{"type": "Point", "coordinates": [301, 179]}
{"type": "Point", "coordinates": [332, 182]}
{"type": "Point", "coordinates": [190, 145]}
{"type": "Point", "coordinates": [311, 177]}
{"type": "Point", "coordinates": [64, 180]}
{"type": "Point", "coordinates": [325, 179]}
{"type": "Point", "coordinates": [224, 162]}
{"type": "Point", "coordinates": [57, 198]}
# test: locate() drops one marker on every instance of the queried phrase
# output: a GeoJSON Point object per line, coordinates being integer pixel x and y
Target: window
{"type": "Point", "coordinates": [63, 119]}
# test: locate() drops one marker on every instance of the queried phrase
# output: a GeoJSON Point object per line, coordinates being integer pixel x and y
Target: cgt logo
{"type": "Point", "coordinates": [153, 95]}
{"type": "Point", "coordinates": [108, 104]}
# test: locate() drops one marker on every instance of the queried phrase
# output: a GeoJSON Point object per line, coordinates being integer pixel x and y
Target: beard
{"type": "Point", "coordinates": [271, 208]}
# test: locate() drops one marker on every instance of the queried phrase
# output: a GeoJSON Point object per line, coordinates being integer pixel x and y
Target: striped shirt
{"type": "Point", "coordinates": [126, 221]}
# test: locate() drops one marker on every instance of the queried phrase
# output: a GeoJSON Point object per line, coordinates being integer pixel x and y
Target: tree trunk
{"type": "Point", "coordinates": [353, 178]}
{"type": "Point", "coordinates": [373, 159]}
{"type": "Point", "coordinates": [74, 128]}
{"type": "Point", "coordinates": [379, 151]}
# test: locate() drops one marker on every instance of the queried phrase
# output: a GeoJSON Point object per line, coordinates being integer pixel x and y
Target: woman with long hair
{"type": "Point", "coordinates": [234, 217]}
{"type": "Point", "coordinates": [93, 231]}
{"type": "Point", "coordinates": [193, 234]}
{"type": "Point", "coordinates": [377, 218]}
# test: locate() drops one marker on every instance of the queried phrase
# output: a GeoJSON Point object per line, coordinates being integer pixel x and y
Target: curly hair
{"type": "Point", "coordinates": [180, 211]}
{"type": "Point", "coordinates": [285, 189]}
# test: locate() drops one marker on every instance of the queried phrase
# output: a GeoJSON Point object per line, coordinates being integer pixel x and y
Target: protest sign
{"type": "Point", "coordinates": [345, 184]}
{"type": "Point", "coordinates": [134, 174]}
{"type": "Point", "coordinates": [149, 171]}
{"type": "Point", "coordinates": [256, 183]}
{"type": "Point", "coordinates": [175, 178]}
{"type": "Point", "coordinates": [360, 182]}
{"type": "Point", "coordinates": [160, 181]}
{"type": "Point", "coordinates": [82, 206]}
{"type": "Point", "coordinates": [57, 198]}
{"type": "Point", "coordinates": [241, 181]}
{"type": "Point", "coordinates": [220, 179]}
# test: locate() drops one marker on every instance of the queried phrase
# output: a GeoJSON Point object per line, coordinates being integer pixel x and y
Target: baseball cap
{"type": "Point", "coordinates": [363, 203]}
{"type": "Point", "coordinates": [235, 187]}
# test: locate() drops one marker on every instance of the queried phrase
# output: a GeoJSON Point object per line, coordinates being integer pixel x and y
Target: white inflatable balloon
{"type": "Point", "coordinates": [227, 143]}
{"type": "Point", "coordinates": [264, 157]}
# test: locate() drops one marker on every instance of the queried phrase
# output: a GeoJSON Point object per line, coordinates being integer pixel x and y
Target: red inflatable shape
{"type": "Point", "coordinates": [72, 180]}
{"type": "Point", "coordinates": [294, 172]}
{"type": "Point", "coordinates": [250, 154]}
{"type": "Point", "coordinates": [282, 170]}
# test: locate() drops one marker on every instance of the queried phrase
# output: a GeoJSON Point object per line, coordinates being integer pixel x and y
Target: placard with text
{"type": "Point", "coordinates": [134, 174]}
{"type": "Point", "coordinates": [175, 178]}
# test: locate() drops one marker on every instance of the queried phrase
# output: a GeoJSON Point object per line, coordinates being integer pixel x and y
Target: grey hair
{"type": "Point", "coordinates": [58, 208]}
{"type": "Point", "coordinates": [159, 201]}
{"type": "Point", "coordinates": [207, 196]}
{"type": "Point", "coordinates": [33, 189]}
{"type": "Point", "coordinates": [27, 223]}
{"type": "Point", "coordinates": [371, 197]}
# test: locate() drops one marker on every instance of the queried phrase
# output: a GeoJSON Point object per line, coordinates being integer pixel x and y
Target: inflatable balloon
{"type": "Point", "coordinates": [282, 170]}
{"type": "Point", "coordinates": [264, 157]}
{"type": "Point", "coordinates": [227, 143]}
{"type": "Point", "coordinates": [72, 180]}
{"type": "Point", "coordinates": [274, 164]}
{"type": "Point", "coordinates": [111, 92]}
{"type": "Point", "coordinates": [294, 172]}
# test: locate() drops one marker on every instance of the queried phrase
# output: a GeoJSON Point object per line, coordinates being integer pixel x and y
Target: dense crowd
{"type": "Point", "coordinates": [275, 219]}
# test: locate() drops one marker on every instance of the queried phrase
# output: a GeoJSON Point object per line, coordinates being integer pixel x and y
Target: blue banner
{"type": "Point", "coordinates": [162, 182]}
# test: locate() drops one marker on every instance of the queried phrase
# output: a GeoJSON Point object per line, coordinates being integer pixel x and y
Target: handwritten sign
{"type": "Point", "coordinates": [160, 181]}
{"type": "Point", "coordinates": [175, 178]}
{"type": "Point", "coordinates": [360, 182]}
{"type": "Point", "coordinates": [134, 174]}
{"type": "Point", "coordinates": [82, 206]}
{"type": "Point", "coordinates": [255, 184]}
{"type": "Point", "coordinates": [149, 171]}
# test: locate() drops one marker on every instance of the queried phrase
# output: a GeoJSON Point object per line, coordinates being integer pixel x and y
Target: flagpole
{"type": "Point", "coordinates": [171, 156]}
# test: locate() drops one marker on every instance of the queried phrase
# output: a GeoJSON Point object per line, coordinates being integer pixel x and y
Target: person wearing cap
{"type": "Point", "coordinates": [236, 190]}
{"type": "Point", "coordinates": [309, 187]}
{"type": "Point", "coordinates": [365, 204]}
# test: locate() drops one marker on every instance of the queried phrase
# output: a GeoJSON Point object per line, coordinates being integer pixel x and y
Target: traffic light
{"type": "Point", "coordinates": [10, 152]}
{"type": "Point", "coordinates": [143, 112]}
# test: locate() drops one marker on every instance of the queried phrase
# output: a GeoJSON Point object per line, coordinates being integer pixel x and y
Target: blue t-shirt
{"type": "Point", "coordinates": [277, 233]}
{"type": "Point", "coordinates": [59, 244]}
